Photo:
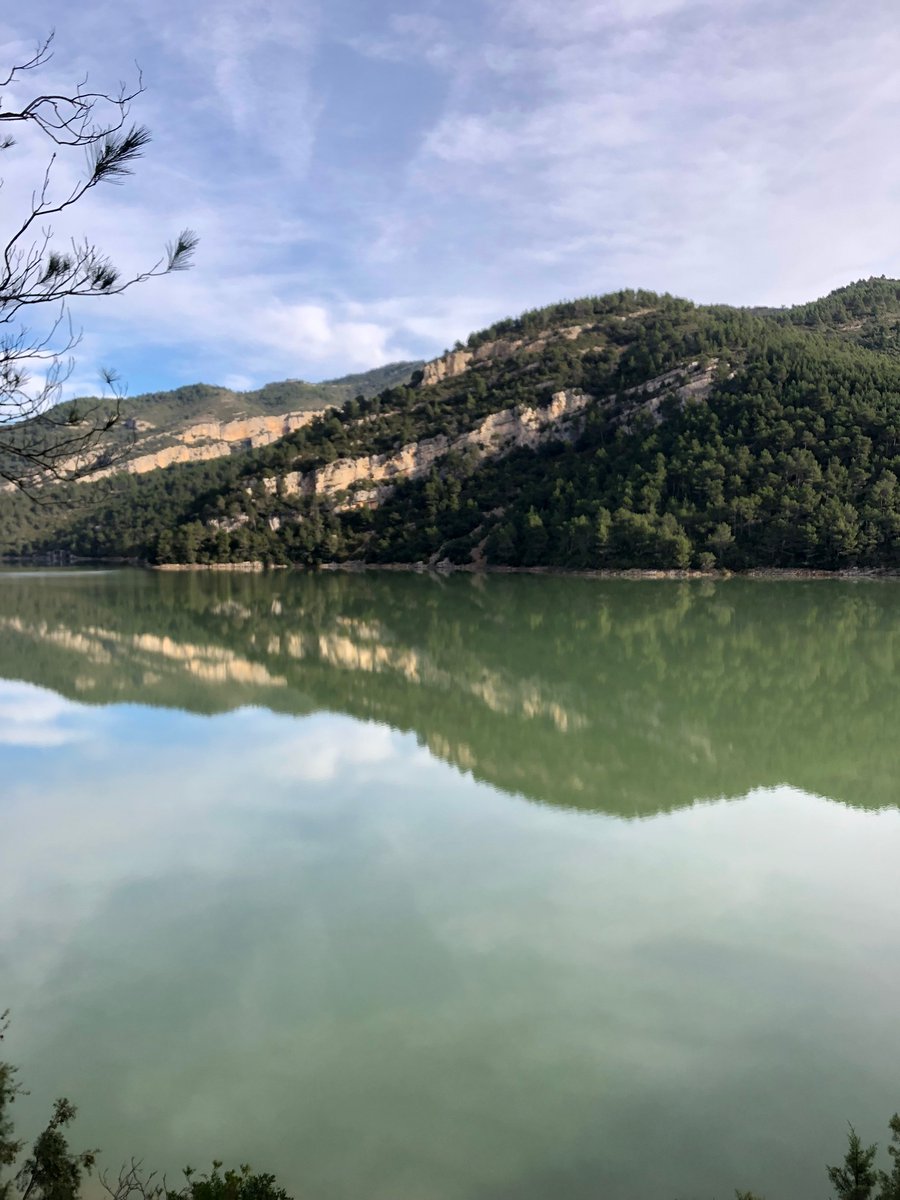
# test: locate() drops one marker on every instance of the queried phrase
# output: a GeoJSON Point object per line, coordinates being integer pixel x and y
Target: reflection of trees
{"type": "Point", "coordinates": [630, 697]}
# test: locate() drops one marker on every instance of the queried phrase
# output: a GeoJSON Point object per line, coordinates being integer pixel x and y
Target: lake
{"type": "Point", "coordinates": [417, 888]}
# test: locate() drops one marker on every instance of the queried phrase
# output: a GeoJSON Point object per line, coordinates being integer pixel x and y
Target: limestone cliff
{"type": "Point", "coordinates": [609, 432]}
{"type": "Point", "coordinates": [367, 480]}
{"type": "Point", "coordinates": [457, 362]}
{"type": "Point", "coordinates": [209, 439]}
{"type": "Point", "coordinates": [446, 367]}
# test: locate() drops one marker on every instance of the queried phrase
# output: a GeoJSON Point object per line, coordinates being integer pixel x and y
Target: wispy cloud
{"type": "Point", "coordinates": [417, 35]}
{"type": "Point", "coordinates": [374, 180]}
{"type": "Point", "coordinates": [255, 66]}
{"type": "Point", "coordinates": [33, 717]}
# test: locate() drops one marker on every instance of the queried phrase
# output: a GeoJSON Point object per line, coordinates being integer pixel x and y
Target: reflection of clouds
{"type": "Point", "coordinates": [735, 867]}
{"type": "Point", "coordinates": [286, 940]}
{"type": "Point", "coordinates": [305, 755]}
{"type": "Point", "coordinates": [32, 716]}
{"type": "Point", "coordinates": [163, 796]}
{"type": "Point", "coordinates": [491, 978]}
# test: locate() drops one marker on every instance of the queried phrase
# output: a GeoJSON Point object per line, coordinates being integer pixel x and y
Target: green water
{"type": "Point", "coordinates": [455, 889]}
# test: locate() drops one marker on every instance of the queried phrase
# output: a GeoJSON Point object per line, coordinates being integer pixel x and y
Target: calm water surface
{"type": "Point", "coordinates": [418, 889]}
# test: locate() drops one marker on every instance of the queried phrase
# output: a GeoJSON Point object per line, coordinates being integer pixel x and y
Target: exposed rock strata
{"type": "Point", "coordinates": [457, 362]}
{"type": "Point", "coordinates": [690, 382]}
{"type": "Point", "coordinates": [369, 479]}
{"type": "Point", "coordinates": [446, 367]}
{"type": "Point", "coordinates": [213, 439]}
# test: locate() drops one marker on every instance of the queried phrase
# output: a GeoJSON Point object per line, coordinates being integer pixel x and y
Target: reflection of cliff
{"type": "Point", "coordinates": [612, 695]}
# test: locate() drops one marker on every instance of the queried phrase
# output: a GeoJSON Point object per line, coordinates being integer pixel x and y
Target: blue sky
{"type": "Point", "coordinates": [372, 179]}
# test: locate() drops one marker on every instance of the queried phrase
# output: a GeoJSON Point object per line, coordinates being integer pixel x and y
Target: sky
{"type": "Point", "coordinates": [372, 180]}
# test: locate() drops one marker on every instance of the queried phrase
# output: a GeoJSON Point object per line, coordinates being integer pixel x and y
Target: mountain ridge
{"type": "Point", "coordinates": [201, 421]}
{"type": "Point", "coordinates": [704, 437]}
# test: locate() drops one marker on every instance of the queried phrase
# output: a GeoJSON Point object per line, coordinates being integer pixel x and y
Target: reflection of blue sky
{"type": "Point", "coordinates": [308, 944]}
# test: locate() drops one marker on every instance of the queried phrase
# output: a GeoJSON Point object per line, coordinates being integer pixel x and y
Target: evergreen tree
{"type": "Point", "coordinates": [51, 1171]}
{"type": "Point", "coordinates": [857, 1178]}
{"type": "Point", "coordinates": [889, 1182]}
{"type": "Point", "coordinates": [9, 1146]}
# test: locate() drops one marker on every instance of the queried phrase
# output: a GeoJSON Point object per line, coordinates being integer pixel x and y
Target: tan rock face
{"type": "Point", "coordinates": [369, 479]}
{"type": "Point", "coordinates": [457, 362]}
{"type": "Point", "coordinates": [257, 431]}
{"type": "Point", "coordinates": [214, 439]}
{"type": "Point", "coordinates": [454, 363]}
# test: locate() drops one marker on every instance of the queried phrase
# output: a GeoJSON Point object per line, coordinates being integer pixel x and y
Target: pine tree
{"type": "Point", "coordinates": [9, 1089]}
{"type": "Point", "coordinates": [856, 1179]}
{"type": "Point", "coordinates": [890, 1183]}
{"type": "Point", "coordinates": [51, 1171]}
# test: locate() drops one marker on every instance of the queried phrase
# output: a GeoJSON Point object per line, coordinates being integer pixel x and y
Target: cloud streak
{"type": "Point", "coordinates": [371, 181]}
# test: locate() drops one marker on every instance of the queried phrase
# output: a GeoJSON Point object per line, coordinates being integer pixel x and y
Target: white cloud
{"type": "Point", "coordinates": [412, 35]}
{"type": "Point", "coordinates": [567, 19]}
{"type": "Point", "coordinates": [733, 151]}
{"type": "Point", "coordinates": [271, 334]}
{"type": "Point", "coordinates": [33, 717]}
{"type": "Point", "coordinates": [688, 153]}
{"type": "Point", "coordinates": [238, 383]}
{"type": "Point", "coordinates": [308, 756]}
{"type": "Point", "coordinates": [255, 65]}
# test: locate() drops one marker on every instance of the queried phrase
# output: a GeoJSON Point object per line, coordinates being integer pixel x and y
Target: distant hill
{"type": "Point", "coordinates": [619, 431]}
{"type": "Point", "coordinates": [203, 401]}
{"type": "Point", "coordinates": [865, 313]}
{"type": "Point", "coordinates": [203, 421]}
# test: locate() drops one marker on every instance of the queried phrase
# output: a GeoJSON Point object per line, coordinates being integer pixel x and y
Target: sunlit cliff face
{"type": "Point", "coordinates": [204, 441]}
{"type": "Point", "coordinates": [370, 478]}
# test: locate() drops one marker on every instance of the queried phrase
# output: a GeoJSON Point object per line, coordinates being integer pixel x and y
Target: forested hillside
{"type": "Point", "coordinates": [197, 401]}
{"type": "Point", "coordinates": [629, 430]}
{"type": "Point", "coordinates": [200, 421]}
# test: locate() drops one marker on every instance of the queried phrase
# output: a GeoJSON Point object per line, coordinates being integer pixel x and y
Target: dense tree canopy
{"type": "Point", "coordinates": [789, 456]}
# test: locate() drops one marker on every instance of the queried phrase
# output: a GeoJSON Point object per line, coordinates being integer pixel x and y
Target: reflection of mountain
{"type": "Point", "coordinates": [627, 697]}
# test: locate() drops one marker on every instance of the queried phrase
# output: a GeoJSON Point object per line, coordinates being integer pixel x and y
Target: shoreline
{"type": "Point", "coordinates": [444, 568]}
{"type": "Point", "coordinates": [254, 566]}
{"type": "Point", "coordinates": [649, 573]}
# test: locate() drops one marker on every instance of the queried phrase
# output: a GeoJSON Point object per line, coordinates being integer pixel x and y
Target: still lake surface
{"type": "Point", "coordinates": [408, 888]}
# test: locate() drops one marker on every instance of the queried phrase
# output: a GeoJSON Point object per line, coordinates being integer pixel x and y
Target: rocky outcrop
{"type": "Point", "coordinates": [457, 362]}
{"type": "Point", "coordinates": [446, 367]}
{"type": "Point", "coordinates": [212, 439]}
{"type": "Point", "coordinates": [693, 381]}
{"type": "Point", "coordinates": [177, 453]}
{"type": "Point", "coordinates": [369, 479]}
{"type": "Point", "coordinates": [251, 431]}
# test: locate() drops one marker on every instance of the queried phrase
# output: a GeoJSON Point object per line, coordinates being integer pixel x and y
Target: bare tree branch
{"type": "Point", "coordinates": [39, 440]}
{"type": "Point", "coordinates": [133, 1183]}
